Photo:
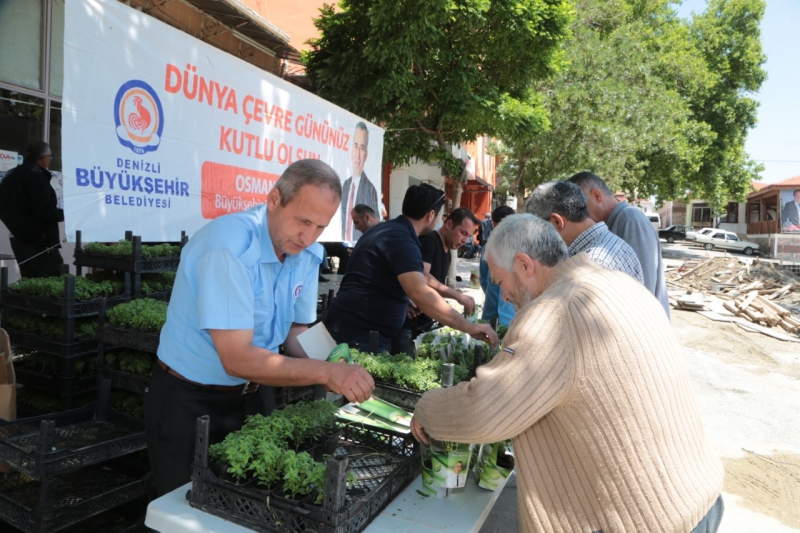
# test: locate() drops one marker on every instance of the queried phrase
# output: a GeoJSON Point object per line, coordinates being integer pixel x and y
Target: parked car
{"type": "Point", "coordinates": [673, 233]}
{"type": "Point", "coordinates": [727, 240]}
{"type": "Point", "coordinates": [692, 235]}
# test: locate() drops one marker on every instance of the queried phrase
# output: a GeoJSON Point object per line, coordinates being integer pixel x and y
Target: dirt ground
{"type": "Point", "coordinates": [748, 386]}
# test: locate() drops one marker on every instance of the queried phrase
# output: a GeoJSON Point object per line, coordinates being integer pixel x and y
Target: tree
{"type": "Point", "coordinates": [642, 104]}
{"type": "Point", "coordinates": [437, 73]}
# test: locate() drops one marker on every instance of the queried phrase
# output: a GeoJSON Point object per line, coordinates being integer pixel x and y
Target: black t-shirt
{"type": "Point", "coordinates": [433, 252]}
{"type": "Point", "coordinates": [370, 297]}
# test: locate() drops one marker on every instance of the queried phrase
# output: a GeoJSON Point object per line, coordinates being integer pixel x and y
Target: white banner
{"type": "Point", "coordinates": [162, 132]}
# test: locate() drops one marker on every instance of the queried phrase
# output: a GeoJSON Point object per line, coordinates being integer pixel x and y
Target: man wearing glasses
{"type": "Point", "coordinates": [386, 269]}
{"type": "Point", "coordinates": [29, 209]}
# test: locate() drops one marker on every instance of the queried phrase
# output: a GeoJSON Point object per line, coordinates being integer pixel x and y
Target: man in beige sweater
{"type": "Point", "coordinates": [591, 387]}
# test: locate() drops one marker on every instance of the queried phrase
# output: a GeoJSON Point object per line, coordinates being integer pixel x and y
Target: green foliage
{"type": "Point", "coordinates": [145, 314]}
{"type": "Point", "coordinates": [654, 104]}
{"type": "Point", "coordinates": [501, 331]}
{"type": "Point", "coordinates": [266, 447]}
{"type": "Point", "coordinates": [437, 73]}
{"type": "Point", "coordinates": [124, 247]}
{"type": "Point", "coordinates": [131, 361]}
{"type": "Point", "coordinates": [415, 374]}
{"type": "Point", "coordinates": [85, 328]}
{"type": "Point", "coordinates": [151, 282]}
{"type": "Point", "coordinates": [53, 287]}
{"type": "Point", "coordinates": [127, 402]}
{"type": "Point", "coordinates": [45, 402]}
{"type": "Point", "coordinates": [52, 364]}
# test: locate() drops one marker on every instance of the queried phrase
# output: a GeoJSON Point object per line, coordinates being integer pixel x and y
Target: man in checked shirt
{"type": "Point", "coordinates": [563, 204]}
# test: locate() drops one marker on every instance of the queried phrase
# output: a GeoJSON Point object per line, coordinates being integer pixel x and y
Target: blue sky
{"type": "Point", "coordinates": [775, 141]}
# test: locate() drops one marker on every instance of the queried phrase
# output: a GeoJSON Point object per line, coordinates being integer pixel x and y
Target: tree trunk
{"type": "Point", "coordinates": [451, 273]}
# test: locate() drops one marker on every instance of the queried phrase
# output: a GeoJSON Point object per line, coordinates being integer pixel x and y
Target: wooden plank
{"type": "Point", "coordinates": [782, 311]}
{"type": "Point", "coordinates": [780, 292]}
{"type": "Point", "coordinates": [752, 295]}
{"type": "Point", "coordinates": [765, 331]}
{"type": "Point", "coordinates": [732, 308]}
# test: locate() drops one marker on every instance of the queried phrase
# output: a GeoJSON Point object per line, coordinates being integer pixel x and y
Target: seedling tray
{"type": "Point", "coordinates": [62, 348]}
{"type": "Point", "coordinates": [56, 384]}
{"type": "Point", "coordinates": [54, 504]}
{"type": "Point", "coordinates": [124, 380]}
{"type": "Point", "coordinates": [286, 395]}
{"type": "Point", "coordinates": [384, 462]}
{"type": "Point", "coordinates": [46, 445]}
{"type": "Point", "coordinates": [127, 338]}
{"type": "Point", "coordinates": [405, 398]}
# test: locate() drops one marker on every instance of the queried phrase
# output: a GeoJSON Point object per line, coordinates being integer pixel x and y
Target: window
{"type": "Point", "coordinates": [719, 236]}
{"type": "Point", "coordinates": [731, 213]}
{"type": "Point", "coordinates": [701, 215]}
{"type": "Point", "coordinates": [732, 238]}
{"type": "Point", "coordinates": [31, 74]}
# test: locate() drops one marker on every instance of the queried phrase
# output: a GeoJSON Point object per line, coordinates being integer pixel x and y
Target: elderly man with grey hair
{"type": "Point", "coordinates": [591, 387]}
{"type": "Point", "coordinates": [563, 205]}
{"type": "Point", "coordinates": [632, 226]}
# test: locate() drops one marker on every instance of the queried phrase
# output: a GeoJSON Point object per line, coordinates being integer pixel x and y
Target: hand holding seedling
{"type": "Point", "coordinates": [484, 332]}
{"type": "Point", "coordinates": [468, 302]}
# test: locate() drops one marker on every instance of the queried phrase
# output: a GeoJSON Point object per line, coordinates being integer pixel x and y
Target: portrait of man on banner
{"type": "Point", "coordinates": [357, 188]}
{"type": "Point", "coordinates": [790, 211]}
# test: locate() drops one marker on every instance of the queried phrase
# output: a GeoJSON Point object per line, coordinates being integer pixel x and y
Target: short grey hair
{"type": "Point", "coordinates": [363, 127]}
{"type": "Point", "coordinates": [560, 198]}
{"type": "Point", "coordinates": [529, 235]}
{"type": "Point", "coordinates": [308, 172]}
{"type": "Point", "coordinates": [588, 181]}
{"type": "Point", "coordinates": [36, 150]}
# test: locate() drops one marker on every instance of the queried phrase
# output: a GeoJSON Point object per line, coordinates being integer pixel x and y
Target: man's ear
{"type": "Point", "coordinates": [557, 221]}
{"type": "Point", "coordinates": [523, 264]}
{"type": "Point", "coordinates": [596, 195]}
{"type": "Point", "coordinates": [273, 199]}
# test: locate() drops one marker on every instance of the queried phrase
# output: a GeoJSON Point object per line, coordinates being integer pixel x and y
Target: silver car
{"type": "Point", "coordinates": [726, 240]}
{"type": "Point", "coordinates": [692, 235]}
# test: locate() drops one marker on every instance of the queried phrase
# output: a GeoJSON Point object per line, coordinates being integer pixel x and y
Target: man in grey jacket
{"type": "Point", "coordinates": [632, 226]}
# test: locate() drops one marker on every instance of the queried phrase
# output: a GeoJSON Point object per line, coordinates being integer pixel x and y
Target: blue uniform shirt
{"type": "Point", "coordinates": [230, 278]}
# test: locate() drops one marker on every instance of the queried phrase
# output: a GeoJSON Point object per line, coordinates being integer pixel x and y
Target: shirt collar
{"type": "Point", "coordinates": [587, 238]}
{"type": "Point", "coordinates": [617, 210]}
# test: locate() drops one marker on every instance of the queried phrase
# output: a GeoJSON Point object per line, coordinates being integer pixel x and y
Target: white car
{"type": "Point", "coordinates": [692, 235]}
{"type": "Point", "coordinates": [726, 240]}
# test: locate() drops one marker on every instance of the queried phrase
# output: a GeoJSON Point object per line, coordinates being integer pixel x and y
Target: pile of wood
{"type": "Point", "coordinates": [763, 311]}
{"type": "Point", "coordinates": [748, 291]}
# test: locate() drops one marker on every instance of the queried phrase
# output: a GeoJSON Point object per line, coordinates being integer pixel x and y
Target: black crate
{"type": "Point", "coordinates": [111, 336]}
{"type": "Point", "coordinates": [51, 444]}
{"type": "Point", "coordinates": [405, 398]}
{"type": "Point", "coordinates": [62, 386]}
{"type": "Point", "coordinates": [68, 368]}
{"type": "Point", "coordinates": [384, 461]}
{"type": "Point", "coordinates": [62, 348]}
{"type": "Point", "coordinates": [286, 395]}
{"type": "Point", "coordinates": [56, 503]}
{"type": "Point", "coordinates": [124, 380]}
{"type": "Point", "coordinates": [68, 307]}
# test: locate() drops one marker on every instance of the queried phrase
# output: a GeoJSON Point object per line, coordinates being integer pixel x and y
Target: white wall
{"type": "Point", "coordinates": [398, 183]}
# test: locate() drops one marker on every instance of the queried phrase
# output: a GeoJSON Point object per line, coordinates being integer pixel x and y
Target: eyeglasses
{"type": "Point", "coordinates": [439, 199]}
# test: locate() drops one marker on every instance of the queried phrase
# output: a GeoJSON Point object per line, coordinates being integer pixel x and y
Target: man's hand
{"type": "Point", "coordinates": [418, 431]}
{"type": "Point", "coordinates": [352, 381]}
{"type": "Point", "coordinates": [468, 302]}
{"type": "Point", "coordinates": [413, 311]}
{"type": "Point", "coordinates": [484, 332]}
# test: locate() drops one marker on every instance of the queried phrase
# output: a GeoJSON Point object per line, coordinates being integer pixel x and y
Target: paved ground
{"type": "Point", "coordinates": [748, 392]}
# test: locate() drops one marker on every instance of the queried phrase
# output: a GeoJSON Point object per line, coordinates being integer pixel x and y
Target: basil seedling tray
{"type": "Point", "coordinates": [383, 461]}
{"type": "Point", "coordinates": [405, 398]}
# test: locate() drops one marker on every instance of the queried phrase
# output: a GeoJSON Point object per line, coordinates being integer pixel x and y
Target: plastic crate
{"type": "Point", "coordinates": [56, 503]}
{"type": "Point", "coordinates": [62, 348]}
{"type": "Point", "coordinates": [405, 398]}
{"type": "Point", "coordinates": [124, 380]}
{"type": "Point", "coordinates": [286, 395]}
{"type": "Point", "coordinates": [385, 462]}
{"type": "Point", "coordinates": [64, 386]}
{"type": "Point", "coordinates": [111, 336]}
{"type": "Point", "coordinates": [43, 446]}
{"type": "Point", "coordinates": [67, 307]}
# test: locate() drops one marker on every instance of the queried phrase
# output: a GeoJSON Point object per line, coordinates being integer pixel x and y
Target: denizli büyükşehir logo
{"type": "Point", "coordinates": [139, 117]}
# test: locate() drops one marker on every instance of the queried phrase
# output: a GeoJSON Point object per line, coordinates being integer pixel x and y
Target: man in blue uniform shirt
{"type": "Point", "coordinates": [247, 283]}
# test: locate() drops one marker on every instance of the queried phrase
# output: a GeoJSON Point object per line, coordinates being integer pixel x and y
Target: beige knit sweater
{"type": "Point", "coordinates": [592, 389]}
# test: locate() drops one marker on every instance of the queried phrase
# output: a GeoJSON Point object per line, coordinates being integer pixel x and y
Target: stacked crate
{"type": "Point", "coordinates": [71, 467]}
{"type": "Point", "coordinates": [61, 367]}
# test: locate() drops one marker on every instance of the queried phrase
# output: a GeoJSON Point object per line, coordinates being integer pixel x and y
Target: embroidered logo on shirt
{"type": "Point", "coordinates": [296, 291]}
{"type": "Point", "coordinates": [509, 350]}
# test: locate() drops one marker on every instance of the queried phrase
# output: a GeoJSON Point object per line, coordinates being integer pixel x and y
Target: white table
{"type": "Point", "coordinates": [464, 510]}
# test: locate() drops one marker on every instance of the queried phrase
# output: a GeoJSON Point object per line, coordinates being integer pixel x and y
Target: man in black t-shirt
{"type": "Point", "coordinates": [458, 227]}
{"type": "Point", "coordinates": [385, 270]}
